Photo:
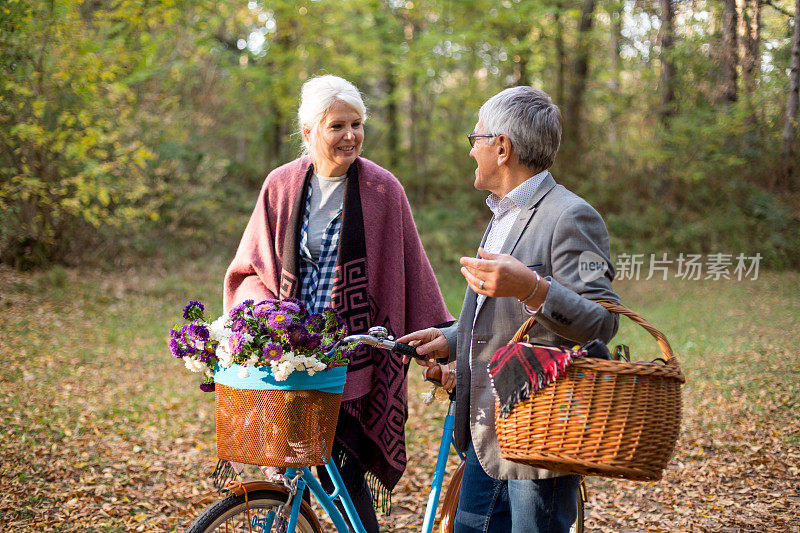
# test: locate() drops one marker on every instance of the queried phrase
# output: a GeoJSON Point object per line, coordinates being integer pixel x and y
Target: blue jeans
{"type": "Point", "coordinates": [489, 505]}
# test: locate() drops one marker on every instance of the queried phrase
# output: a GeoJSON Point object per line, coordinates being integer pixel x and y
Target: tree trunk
{"type": "Point", "coordinates": [730, 52]}
{"type": "Point", "coordinates": [392, 116]}
{"type": "Point", "coordinates": [616, 14]}
{"type": "Point", "coordinates": [418, 147]}
{"type": "Point", "coordinates": [521, 70]}
{"type": "Point", "coordinates": [385, 18]}
{"type": "Point", "coordinates": [667, 63]}
{"type": "Point", "coordinates": [790, 128]}
{"type": "Point", "coordinates": [580, 75]}
{"type": "Point", "coordinates": [750, 24]}
{"type": "Point", "coordinates": [561, 57]}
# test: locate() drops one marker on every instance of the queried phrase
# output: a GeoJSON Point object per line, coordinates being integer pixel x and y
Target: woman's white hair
{"type": "Point", "coordinates": [530, 119]}
{"type": "Point", "coordinates": [317, 96]}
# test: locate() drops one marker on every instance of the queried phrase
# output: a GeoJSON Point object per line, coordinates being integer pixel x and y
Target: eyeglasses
{"type": "Point", "coordinates": [472, 136]}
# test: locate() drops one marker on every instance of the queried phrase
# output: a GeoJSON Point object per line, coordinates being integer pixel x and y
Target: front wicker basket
{"type": "Point", "coordinates": [265, 421]}
{"type": "Point", "coordinates": [276, 427]}
{"type": "Point", "coordinates": [602, 418]}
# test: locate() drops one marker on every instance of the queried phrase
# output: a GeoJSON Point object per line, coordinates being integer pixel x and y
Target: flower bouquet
{"type": "Point", "coordinates": [278, 333]}
{"type": "Point", "coordinates": [278, 373]}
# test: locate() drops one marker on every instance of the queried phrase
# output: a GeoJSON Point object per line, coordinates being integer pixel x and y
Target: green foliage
{"type": "Point", "coordinates": [71, 159]}
{"type": "Point", "coordinates": [126, 125]}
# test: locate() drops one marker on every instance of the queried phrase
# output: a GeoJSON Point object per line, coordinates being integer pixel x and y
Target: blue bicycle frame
{"type": "Point", "coordinates": [308, 480]}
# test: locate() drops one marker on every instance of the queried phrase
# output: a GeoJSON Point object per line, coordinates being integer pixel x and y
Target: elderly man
{"type": "Point", "coordinates": [532, 261]}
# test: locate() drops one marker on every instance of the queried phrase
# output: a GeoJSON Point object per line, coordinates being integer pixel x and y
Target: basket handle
{"type": "Point", "coordinates": [614, 307]}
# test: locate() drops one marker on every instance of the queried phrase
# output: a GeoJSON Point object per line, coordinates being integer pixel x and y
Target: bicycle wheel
{"type": "Point", "coordinates": [231, 514]}
{"type": "Point", "coordinates": [577, 527]}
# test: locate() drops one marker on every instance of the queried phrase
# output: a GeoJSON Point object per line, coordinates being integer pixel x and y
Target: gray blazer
{"type": "Point", "coordinates": [551, 232]}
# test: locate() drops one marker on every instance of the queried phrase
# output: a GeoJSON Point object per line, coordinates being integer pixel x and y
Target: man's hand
{"type": "Point", "coordinates": [429, 342]}
{"type": "Point", "coordinates": [502, 275]}
{"type": "Point", "coordinates": [449, 376]}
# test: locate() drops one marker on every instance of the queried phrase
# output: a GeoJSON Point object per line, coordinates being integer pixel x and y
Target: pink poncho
{"type": "Point", "coordinates": [393, 286]}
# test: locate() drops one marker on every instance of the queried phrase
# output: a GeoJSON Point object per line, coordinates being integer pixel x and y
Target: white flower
{"type": "Point", "coordinates": [224, 356]}
{"type": "Point", "coordinates": [243, 373]}
{"type": "Point", "coordinates": [194, 365]}
{"type": "Point", "coordinates": [427, 397]}
{"type": "Point", "coordinates": [282, 370]}
{"type": "Point", "coordinates": [219, 329]}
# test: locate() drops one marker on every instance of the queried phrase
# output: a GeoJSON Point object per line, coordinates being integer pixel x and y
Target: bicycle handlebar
{"type": "Point", "coordinates": [379, 338]}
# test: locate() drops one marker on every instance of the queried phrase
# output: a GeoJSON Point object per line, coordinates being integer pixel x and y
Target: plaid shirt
{"type": "Point", "coordinates": [316, 276]}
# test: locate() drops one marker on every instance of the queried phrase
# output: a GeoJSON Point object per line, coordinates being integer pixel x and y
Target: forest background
{"type": "Point", "coordinates": [135, 135]}
{"type": "Point", "coordinates": [130, 127]}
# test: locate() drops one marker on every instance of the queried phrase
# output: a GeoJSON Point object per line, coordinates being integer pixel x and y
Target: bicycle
{"type": "Point", "coordinates": [280, 507]}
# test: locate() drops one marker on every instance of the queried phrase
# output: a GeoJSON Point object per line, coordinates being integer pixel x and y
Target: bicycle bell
{"type": "Point", "coordinates": [379, 332]}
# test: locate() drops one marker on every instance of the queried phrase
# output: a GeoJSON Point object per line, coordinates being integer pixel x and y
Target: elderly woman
{"type": "Point", "coordinates": [334, 229]}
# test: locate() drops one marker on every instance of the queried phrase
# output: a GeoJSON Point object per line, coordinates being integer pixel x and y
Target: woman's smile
{"type": "Point", "coordinates": [337, 140]}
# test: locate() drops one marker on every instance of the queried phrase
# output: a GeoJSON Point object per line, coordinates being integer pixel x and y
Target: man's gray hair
{"type": "Point", "coordinates": [530, 119]}
{"type": "Point", "coordinates": [317, 97]}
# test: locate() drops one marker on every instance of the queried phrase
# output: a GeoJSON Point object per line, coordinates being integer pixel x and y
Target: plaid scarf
{"type": "Point", "coordinates": [519, 370]}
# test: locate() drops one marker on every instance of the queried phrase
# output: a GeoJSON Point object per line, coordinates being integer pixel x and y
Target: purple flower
{"type": "Point", "coordinates": [279, 320]}
{"type": "Point", "coordinates": [245, 305]}
{"type": "Point", "coordinates": [272, 351]}
{"type": "Point", "coordinates": [193, 310]}
{"type": "Point", "coordinates": [263, 309]}
{"type": "Point", "coordinates": [332, 319]}
{"type": "Point", "coordinates": [175, 348]}
{"type": "Point", "coordinates": [301, 309]}
{"type": "Point", "coordinates": [312, 341]}
{"type": "Point", "coordinates": [297, 335]}
{"type": "Point", "coordinates": [239, 324]}
{"type": "Point", "coordinates": [183, 342]}
{"type": "Point", "coordinates": [207, 387]}
{"type": "Point", "coordinates": [197, 332]}
{"type": "Point", "coordinates": [236, 343]}
{"type": "Point", "coordinates": [316, 319]}
{"type": "Point", "coordinates": [206, 355]}
{"type": "Point", "coordinates": [290, 306]}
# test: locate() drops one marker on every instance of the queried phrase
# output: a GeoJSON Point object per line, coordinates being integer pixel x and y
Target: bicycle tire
{"type": "Point", "coordinates": [577, 527]}
{"type": "Point", "coordinates": [232, 510]}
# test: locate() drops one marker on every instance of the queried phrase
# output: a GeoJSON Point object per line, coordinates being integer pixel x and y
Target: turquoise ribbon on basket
{"type": "Point", "coordinates": [261, 378]}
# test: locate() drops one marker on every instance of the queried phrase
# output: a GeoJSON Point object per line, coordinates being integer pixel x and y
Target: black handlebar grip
{"type": "Point", "coordinates": [406, 349]}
